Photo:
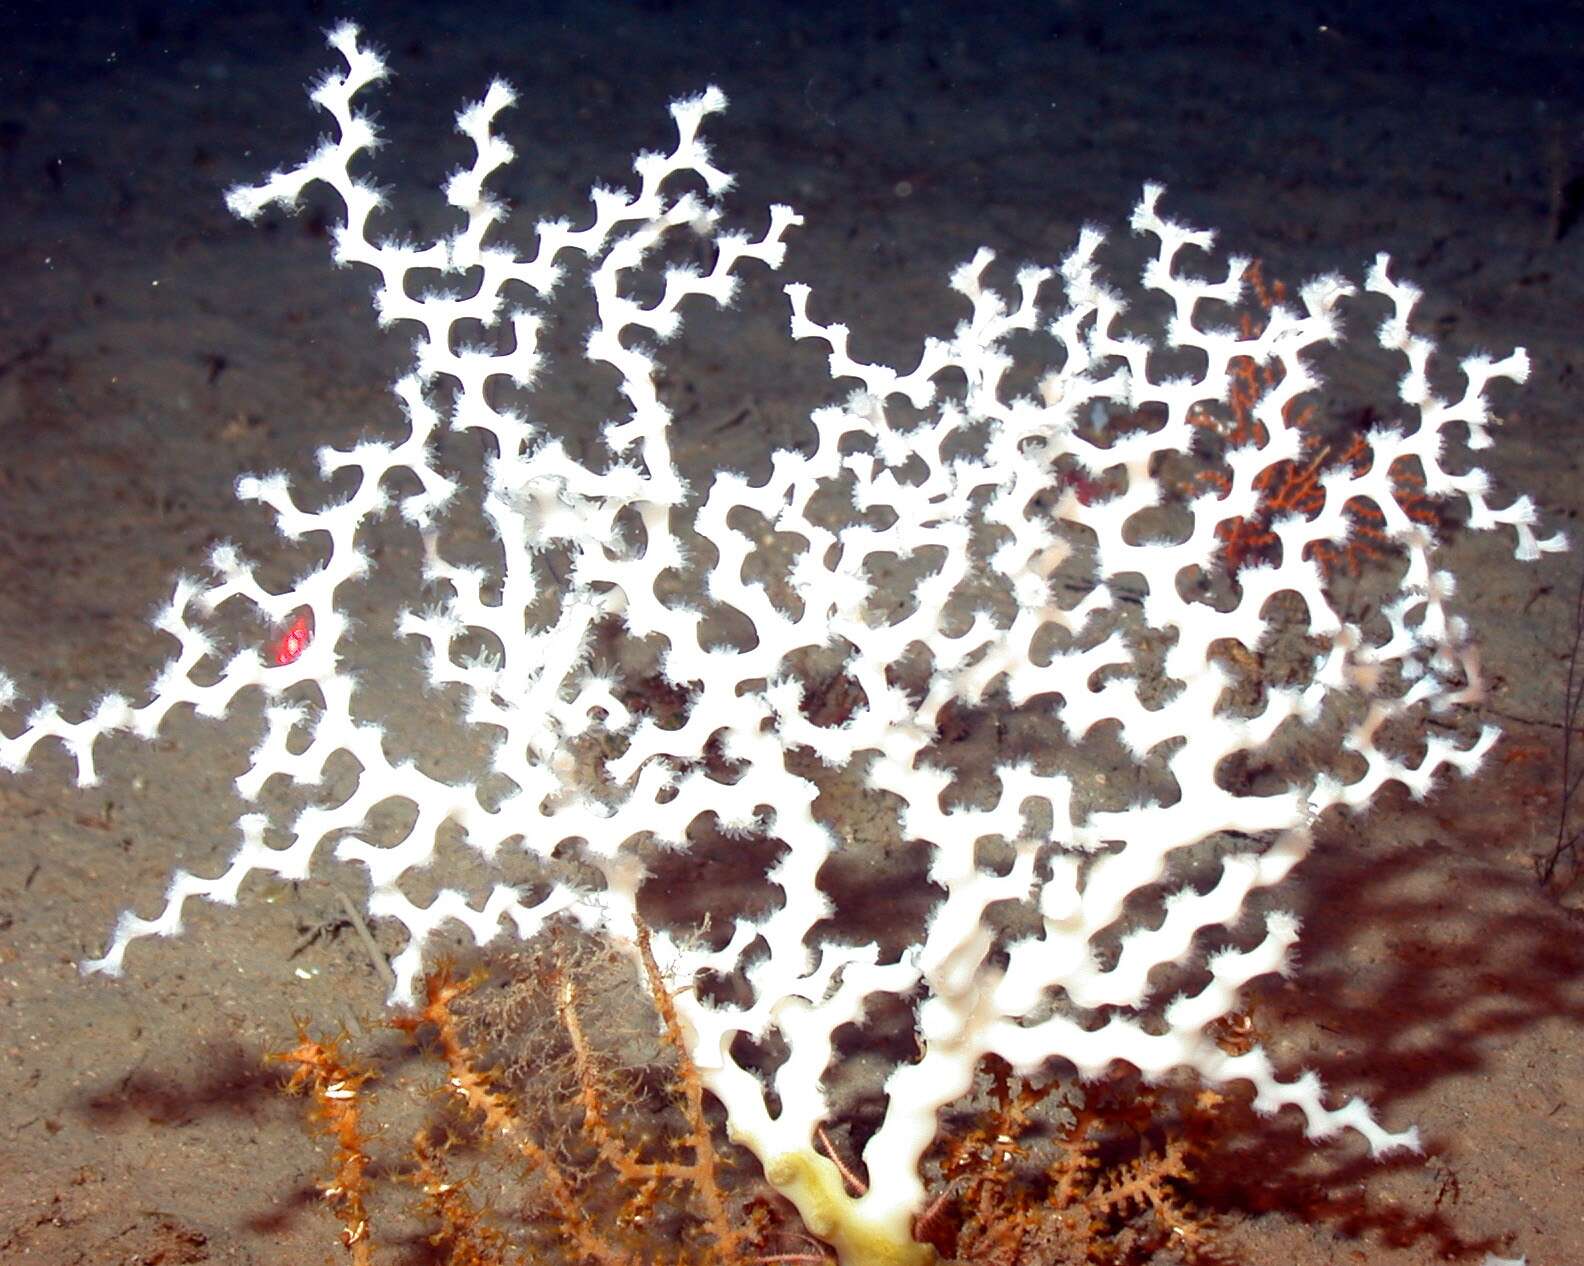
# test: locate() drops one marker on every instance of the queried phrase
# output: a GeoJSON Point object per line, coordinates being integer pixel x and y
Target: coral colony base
{"type": "Point", "coordinates": [1069, 561]}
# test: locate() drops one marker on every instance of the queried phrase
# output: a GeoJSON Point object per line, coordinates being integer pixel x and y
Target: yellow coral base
{"type": "Point", "coordinates": [861, 1236]}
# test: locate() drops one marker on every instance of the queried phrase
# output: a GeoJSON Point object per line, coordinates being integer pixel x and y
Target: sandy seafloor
{"type": "Point", "coordinates": [152, 347]}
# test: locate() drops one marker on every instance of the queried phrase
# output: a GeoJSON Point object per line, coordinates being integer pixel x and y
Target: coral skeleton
{"type": "Point", "coordinates": [1014, 533]}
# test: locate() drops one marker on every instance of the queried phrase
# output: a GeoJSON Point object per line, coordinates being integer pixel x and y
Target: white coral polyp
{"type": "Point", "coordinates": [989, 494]}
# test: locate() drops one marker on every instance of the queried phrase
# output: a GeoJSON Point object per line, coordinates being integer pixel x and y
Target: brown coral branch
{"type": "Point", "coordinates": [497, 1114]}
{"type": "Point", "coordinates": [336, 1086]}
{"type": "Point", "coordinates": [703, 1174]}
{"type": "Point", "coordinates": [465, 1235]}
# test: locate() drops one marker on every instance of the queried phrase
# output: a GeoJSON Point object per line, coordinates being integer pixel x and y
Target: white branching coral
{"type": "Point", "coordinates": [1062, 557]}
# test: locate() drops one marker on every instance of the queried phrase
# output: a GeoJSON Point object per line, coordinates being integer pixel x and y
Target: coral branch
{"type": "Point", "coordinates": [337, 1090]}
